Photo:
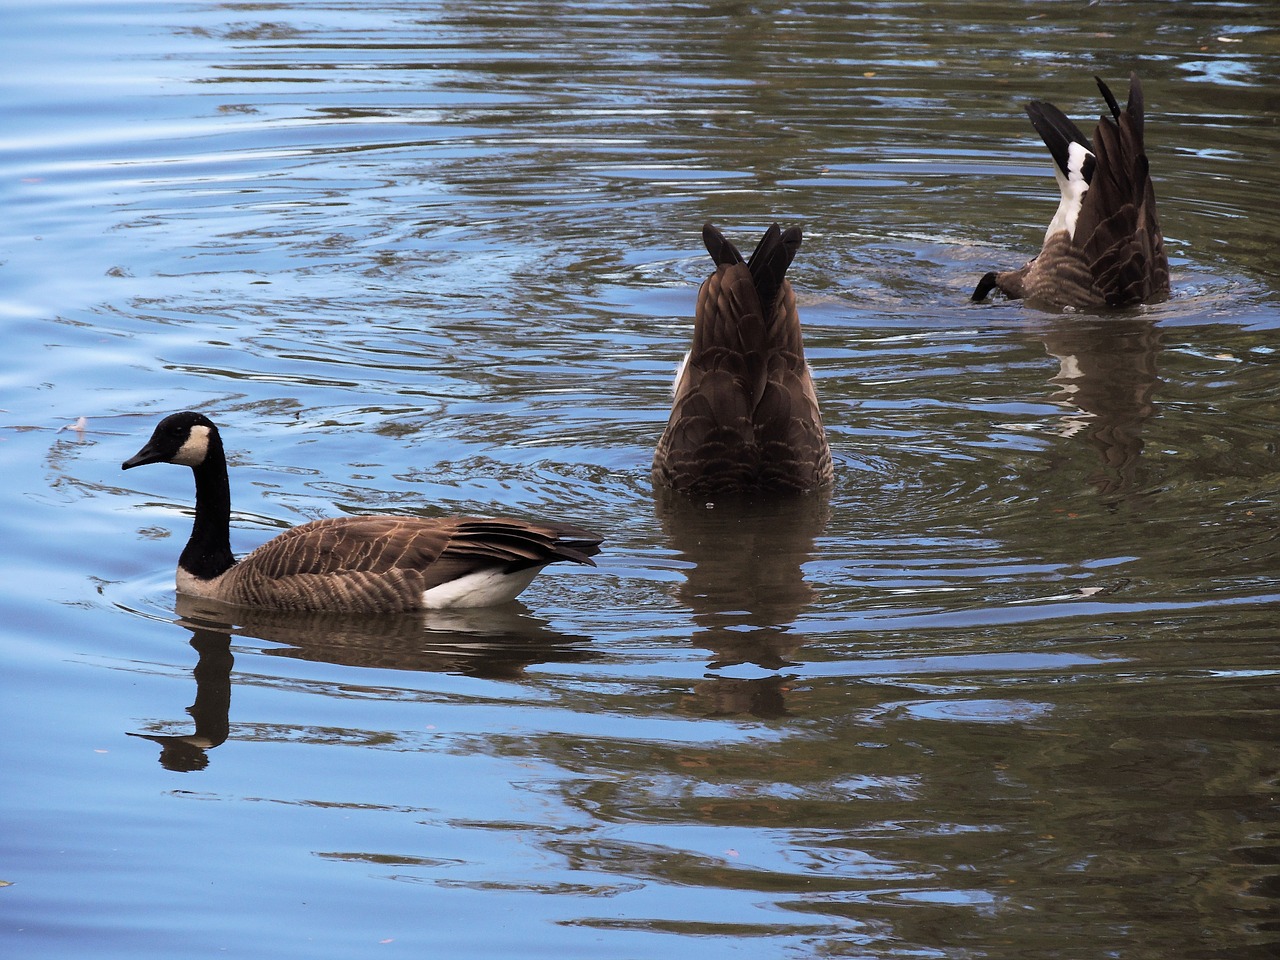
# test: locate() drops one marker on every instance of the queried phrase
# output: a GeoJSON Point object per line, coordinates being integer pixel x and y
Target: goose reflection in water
{"type": "Point", "coordinates": [745, 586]}
{"type": "Point", "coordinates": [491, 643]}
{"type": "Point", "coordinates": [184, 753]}
{"type": "Point", "coordinates": [1107, 372]}
{"type": "Point", "coordinates": [497, 643]}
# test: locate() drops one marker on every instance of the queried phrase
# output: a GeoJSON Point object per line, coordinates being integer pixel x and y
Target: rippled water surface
{"type": "Point", "coordinates": [1009, 691]}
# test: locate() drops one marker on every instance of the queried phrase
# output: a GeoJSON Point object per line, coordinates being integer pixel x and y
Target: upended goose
{"type": "Point", "coordinates": [372, 564]}
{"type": "Point", "coordinates": [1103, 247]}
{"type": "Point", "coordinates": [745, 416]}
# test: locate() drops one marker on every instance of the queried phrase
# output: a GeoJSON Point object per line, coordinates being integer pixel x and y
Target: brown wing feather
{"type": "Point", "coordinates": [386, 563]}
{"type": "Point", "coordinates": [1118, 230]}
{"type": "Point", "coordinates": [768, 266]}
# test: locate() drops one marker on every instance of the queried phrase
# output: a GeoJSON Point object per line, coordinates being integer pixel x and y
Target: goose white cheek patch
{"type": "Point", "coordinates": [193, 452]}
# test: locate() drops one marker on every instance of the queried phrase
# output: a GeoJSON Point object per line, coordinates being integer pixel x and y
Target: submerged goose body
{"type": "Point", "coordinates": [744, 418]}
{"type": "Point", "coordinates": [1103, 248]}
{"type": "Point", "coordinates": [375, 564]}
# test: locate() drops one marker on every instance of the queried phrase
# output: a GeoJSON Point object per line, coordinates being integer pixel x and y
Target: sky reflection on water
{"type": "Point", "coordinates": [1007, 691]}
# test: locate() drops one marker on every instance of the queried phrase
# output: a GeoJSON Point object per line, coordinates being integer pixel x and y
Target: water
{"type": "Point", "coordinates": [1009, 691]}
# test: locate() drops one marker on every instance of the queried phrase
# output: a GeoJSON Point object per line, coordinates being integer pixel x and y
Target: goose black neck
{"type": "Point", "coordinates": [208, 552]}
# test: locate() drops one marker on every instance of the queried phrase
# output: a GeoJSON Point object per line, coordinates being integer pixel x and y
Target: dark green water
{"type": "Point", "coordinates": [1008, 692]}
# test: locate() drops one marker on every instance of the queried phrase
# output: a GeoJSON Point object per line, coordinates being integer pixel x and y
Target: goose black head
{"type": "Point", "coordinates": [182, 438]}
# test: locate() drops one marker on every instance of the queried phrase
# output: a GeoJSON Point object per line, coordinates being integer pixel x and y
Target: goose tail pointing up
{"type": "Point", "coordinates": [745, 416]}
{"type": "Point", "coordinates": [1103, 248]}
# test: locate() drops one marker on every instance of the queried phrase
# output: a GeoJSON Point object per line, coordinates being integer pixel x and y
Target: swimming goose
{"type": "Point", "coordinates": [373, 564]}
{"type": "Point", "coordinates": [745, 416]}
{"type": "Point", "coordinates": [1103, 247]}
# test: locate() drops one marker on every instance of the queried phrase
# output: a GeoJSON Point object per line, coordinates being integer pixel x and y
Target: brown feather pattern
{"type": "Point", "coordinates": [745, 414]}
{"type": "Point", "coordinates": [1116, 257]}
{"type": "Point", "coordinates": [378, 563]}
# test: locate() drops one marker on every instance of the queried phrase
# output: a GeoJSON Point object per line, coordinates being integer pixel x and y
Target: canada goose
{"type": "Point", "coordinates": [745, 416]}
{"type": "Point", "coordinates": [1103, 247]}
{"type": "Point", "coordinates": [373, 564]}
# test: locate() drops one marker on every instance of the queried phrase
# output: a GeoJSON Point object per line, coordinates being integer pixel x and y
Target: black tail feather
{"type": "Point", "coordinates": [1110, 97]}
{"type": "Point", "coordinates": [770, 260]}
{"type": "Point", "coordinates": [1057, 131]}
{"type": "Point", "coordinates": [722, 251]}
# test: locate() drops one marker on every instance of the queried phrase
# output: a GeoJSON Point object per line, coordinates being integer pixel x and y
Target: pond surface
{"type": "Point", "coordinates": [1009, 691]}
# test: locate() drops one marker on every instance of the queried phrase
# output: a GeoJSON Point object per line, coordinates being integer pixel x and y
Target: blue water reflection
{"type": "Point", "coordinates": [1008, 691]}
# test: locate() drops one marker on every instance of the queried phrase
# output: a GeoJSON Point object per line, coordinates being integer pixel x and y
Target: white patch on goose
{"type": "Point", "coordinates": [484, 588]}
{"type": "Point", "coordinates": [193, 586]}
{"type": "Point", "coordinates": [1073, 188]}
{"type": "Point", "coordinates": [675, 384]}
{"type": "Point", "coordinates": [194, 449]}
